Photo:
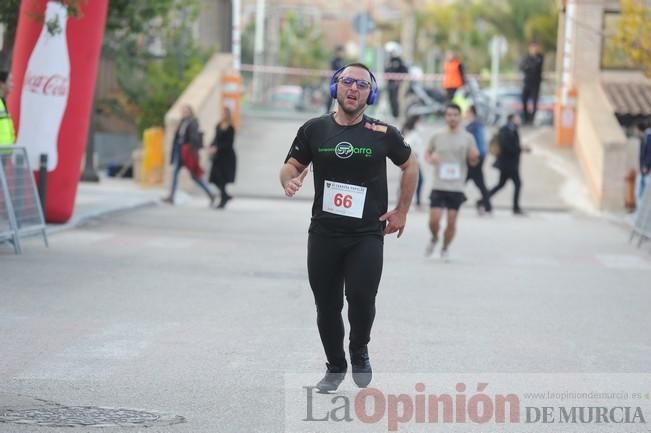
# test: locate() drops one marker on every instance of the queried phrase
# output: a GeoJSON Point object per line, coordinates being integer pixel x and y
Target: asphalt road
{"type": "Point", "coordinates": [202, 314]}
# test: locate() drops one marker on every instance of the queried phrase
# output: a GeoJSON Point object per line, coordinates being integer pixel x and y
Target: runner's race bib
{"type": "Point", "coordinates": [344, 199]}
{"type": "Point", "coordinates": [450, 171]}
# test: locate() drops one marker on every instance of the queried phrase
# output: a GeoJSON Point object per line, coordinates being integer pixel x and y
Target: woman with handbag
{"type": "Point", "coordinates": [185, 153]}
{"type": "Point", "coordinates": [223, 157]}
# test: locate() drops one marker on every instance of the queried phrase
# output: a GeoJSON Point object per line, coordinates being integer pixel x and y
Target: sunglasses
{"type": "Point", "coordinates": [361, 84]}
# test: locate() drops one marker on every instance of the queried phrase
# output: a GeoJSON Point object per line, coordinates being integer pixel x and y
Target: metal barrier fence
{"type": "Point", "coordinates": [642, 222]}
{"type": "Point", "coordinates": [21, 213]}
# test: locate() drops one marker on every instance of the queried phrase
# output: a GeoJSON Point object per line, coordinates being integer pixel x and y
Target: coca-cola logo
{"type": "Point", "coordinates": [48, 85]}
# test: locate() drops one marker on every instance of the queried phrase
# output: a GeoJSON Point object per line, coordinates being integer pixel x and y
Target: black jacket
{"type": "Point", "coordinates": [336, 63]}
{"type": "Point", "coordinates": [645, 150]}
{"type": "Point", "coordinates": [224, 162]}
{"type": "Point", "coordinates": [396, 65]}
{"type": "Point", "coordinates": [532, 67]}
{"type": "Point", "coordinates": [509, 139]}
{"type": "Point", "coordinates": [186, 133]}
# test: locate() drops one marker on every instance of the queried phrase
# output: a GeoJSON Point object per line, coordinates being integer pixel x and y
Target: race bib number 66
{"type": "Point", "coordinates": [344, 199]}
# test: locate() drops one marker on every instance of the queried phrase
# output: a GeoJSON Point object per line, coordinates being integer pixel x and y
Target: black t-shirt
{"type": "Point", "coordinates": [352, 155]}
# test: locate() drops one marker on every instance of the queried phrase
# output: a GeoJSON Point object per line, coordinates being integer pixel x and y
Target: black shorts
{"type": "Point", "coordinates": [446, 199]}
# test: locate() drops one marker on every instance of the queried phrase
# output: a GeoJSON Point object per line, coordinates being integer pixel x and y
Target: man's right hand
{"type": "Point", "coordinates": [432, 158]}
{"type": "Point", "coordinates": [294, 184]}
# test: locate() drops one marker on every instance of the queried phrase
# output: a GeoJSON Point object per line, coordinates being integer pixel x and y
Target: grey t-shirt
{"type": "Point", "coordinates": [452, 149]}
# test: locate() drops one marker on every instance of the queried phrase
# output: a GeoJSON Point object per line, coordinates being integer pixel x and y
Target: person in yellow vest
{"type": "Point", "coordinates": [7, 133]}
{"type": "Point", "coordinates": [453, 75]}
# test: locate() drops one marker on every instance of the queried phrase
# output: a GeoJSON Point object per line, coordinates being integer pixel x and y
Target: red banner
{"type": "Point", "coordinates": [54, 71]}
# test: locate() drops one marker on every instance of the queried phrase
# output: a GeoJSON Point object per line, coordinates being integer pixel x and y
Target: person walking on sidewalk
{"type": "Point", "coordinates": [532, 69]}
{"type": "Point", "coordinates": [414, 138]}
{"type": "Point", "coordinates": [476, 172]}
{"type": "Point", "coordinates": [454, 76]}
{"type": "Point", "coordinates": [508, 160]}
{"type": "Point", "coordinates": [449, 152]}
{"type": "Point", "coordinates": [185, 153]}
{"type": "Point", "coordinates": [644, 133]}
{"type": "Point", "coordinates": [348, 152]}
{"type": "Point", "coordinates": [224, 161]}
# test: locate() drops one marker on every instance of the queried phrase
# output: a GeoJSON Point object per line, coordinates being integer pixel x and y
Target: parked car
{"type": "Point", "coordinates": [294, 97]}
{"type": "Point", "coordinates": [285, 97]}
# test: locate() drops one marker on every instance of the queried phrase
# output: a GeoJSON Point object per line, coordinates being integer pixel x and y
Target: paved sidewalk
{"type": "Point", "coordinates": [109, 196]}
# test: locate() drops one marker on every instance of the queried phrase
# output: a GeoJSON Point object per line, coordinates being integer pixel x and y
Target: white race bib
{"type": "Point", "coordinates": [344, 199]}
{"type": "Point", "coordinates": [450, 171]}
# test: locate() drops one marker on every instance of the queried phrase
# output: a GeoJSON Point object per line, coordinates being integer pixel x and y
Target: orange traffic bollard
{"type": "Point", "coordinates": [153, 158]}
{"type": "Point", "coordinates": [232, 95]}
{"type": "Point", "coordinates": [565, 118]}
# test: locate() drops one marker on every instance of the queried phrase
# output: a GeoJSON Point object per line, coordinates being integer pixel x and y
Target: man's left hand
{"type": "Point", "coordinates": [396, 220]}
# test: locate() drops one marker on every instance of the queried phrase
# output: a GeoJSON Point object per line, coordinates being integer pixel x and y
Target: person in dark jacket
{"type": "Point", "coordinates": [476, 172]}
{"type": "Point", "coordinates": [223, 154]}
{"type": "Point", "coordinates": [185, 153]}
{"type": "Point", "coordinates": [508, 160]}
{"type": "Point", "coordinates": [532, 68]}
{"type": "Point", "coordinates": [395, 66]}
{"type": "Point", "coordinates": [336, 63]}
{"type": "Point", "coordinates": [645, 157]}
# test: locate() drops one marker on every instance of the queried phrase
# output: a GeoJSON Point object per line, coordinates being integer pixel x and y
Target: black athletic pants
{"type": "Point", "coordinates": [530, 92]}
{"type": "Point", "coordinates": [353, 263]}
{"type": "Point", "coordinates": [394, 98]}
{"type": "Point", "coordinates": [505, 175]}
{"type": "Point", "coordinates": [476, 174]}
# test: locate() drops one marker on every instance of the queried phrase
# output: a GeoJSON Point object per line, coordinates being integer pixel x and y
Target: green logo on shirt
{"type": "Point", "coordinates": [345, 150]}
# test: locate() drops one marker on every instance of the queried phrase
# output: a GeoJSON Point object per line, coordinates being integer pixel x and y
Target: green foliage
{"type": "Point", "coordinates": [301, 45]}
{"type": "Point", "coordinates": [543, 29]}
{"type": "Point", "coordinates": [467, 26]}
{"type": "Point", "coordinates": [9, 13]}
{"type": "Point", "coordinates": [149, 84]}
{"type": "Point", "coordinates": [163, 86]}
{"type": "Point", "coordinates": [248, 44]}
{"type": "Point", "coordinates": [633, 34]}
{"type": "Point", "coordinates": [456, 27]}
{"type": "Point", "coordinates": [9, 10]}
{"type": "Point", "coordinates": [134, 16]}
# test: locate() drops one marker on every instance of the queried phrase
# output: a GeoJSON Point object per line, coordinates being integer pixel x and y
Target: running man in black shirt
{"type": "Point", "coordinates": [348, 152]}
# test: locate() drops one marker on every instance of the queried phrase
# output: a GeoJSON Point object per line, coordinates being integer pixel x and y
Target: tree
{"type": "Point", "coordinates": [154, 65]}
{"type": "Point", "coordinates": [124, 16]}
{"type": "Point", "coordinates": [9, 10]}
{"type": "Point", "coordinates": [633, 35]}
{"type": "Point", "coordinates": [149, 83]}
{"type": "Point", "coordinates": [467, 26]}
{"type": "Point", "coordinates": [456, 27]}
{"type": "Point", "coordinates": [301, 45]}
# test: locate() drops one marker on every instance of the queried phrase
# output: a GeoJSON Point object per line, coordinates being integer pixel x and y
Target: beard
{"type": "Point", "coordinates": [349, 111]}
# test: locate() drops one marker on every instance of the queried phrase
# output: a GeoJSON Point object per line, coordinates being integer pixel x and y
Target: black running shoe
{"type": "Point", "coordinates": [332, 379]}
{"type": "Point", "coordinates": [362, 371]}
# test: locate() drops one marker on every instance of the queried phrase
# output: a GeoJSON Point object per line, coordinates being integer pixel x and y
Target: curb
{"type": "Point", "coordinates": [81, 220]}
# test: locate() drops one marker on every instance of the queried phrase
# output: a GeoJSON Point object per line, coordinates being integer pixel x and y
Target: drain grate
{"type": "Point", "coordinates": [87, 416]}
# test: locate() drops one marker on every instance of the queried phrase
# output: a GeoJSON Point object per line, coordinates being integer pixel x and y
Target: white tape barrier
{"type": "Point", "coordinates": [283, 70]}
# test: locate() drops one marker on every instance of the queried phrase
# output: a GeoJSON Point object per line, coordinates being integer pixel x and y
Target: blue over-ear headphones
{"type": "Point", "coordinates": [372, 97]}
